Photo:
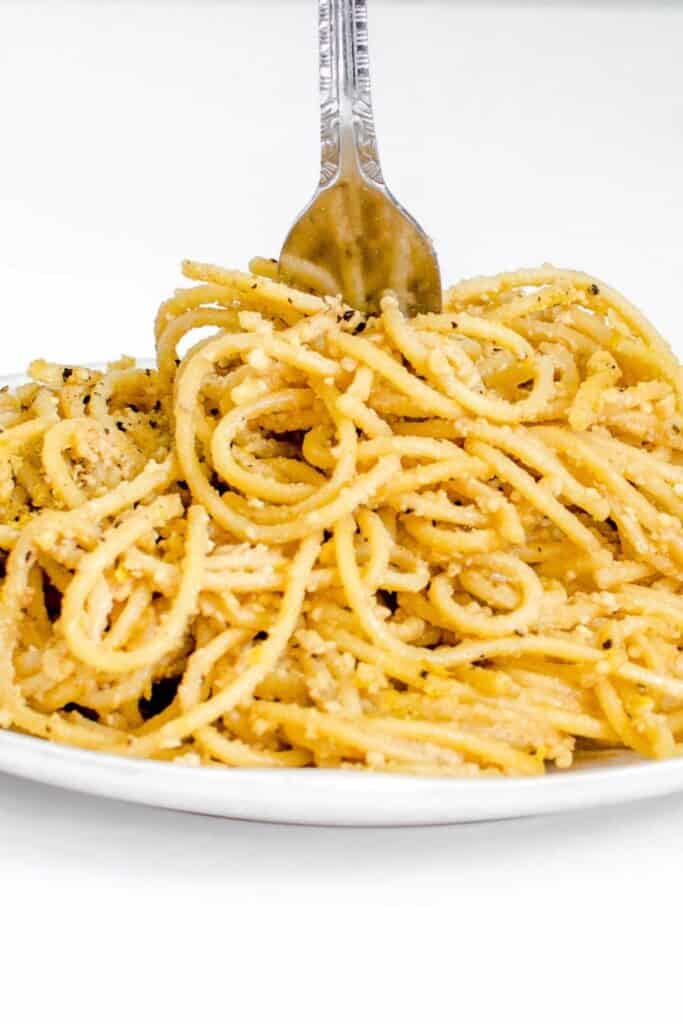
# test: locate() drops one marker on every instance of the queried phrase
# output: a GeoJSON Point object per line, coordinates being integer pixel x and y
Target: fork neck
{"type": "Point", "coordinates": [347, 128]}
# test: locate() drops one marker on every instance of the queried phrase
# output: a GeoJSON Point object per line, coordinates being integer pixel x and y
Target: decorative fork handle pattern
{"type": "Point", "coordinates": [347, 129]}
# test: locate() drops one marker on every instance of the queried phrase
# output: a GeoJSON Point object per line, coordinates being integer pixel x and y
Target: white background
{"type": "Point", "coordinates": [134, 134]}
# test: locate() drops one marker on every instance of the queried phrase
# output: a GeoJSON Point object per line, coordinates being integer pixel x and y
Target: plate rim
{"type": "Point", "coordinates": [330, 796]}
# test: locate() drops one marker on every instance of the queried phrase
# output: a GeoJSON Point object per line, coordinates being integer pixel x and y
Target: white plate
{"type": "Point", "coordinates": [316, 797]}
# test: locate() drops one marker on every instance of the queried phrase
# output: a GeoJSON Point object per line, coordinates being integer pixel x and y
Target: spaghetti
{"type": "Point", "coordinates": [446, 545]}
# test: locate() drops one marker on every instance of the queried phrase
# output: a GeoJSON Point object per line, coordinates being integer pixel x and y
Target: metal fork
{"type": "Point", "coordinates": [354, 238]}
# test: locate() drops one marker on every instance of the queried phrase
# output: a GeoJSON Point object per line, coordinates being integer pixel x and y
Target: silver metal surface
{"type": "Point", "coordinates": [354, 237]}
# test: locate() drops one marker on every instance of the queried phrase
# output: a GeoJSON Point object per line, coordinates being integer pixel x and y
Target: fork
{"type": "Point", "coordinates": [354, 238]}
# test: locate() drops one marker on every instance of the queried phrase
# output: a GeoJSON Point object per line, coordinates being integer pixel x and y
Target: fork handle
{"type": "Point", "coordinates": [348, 142]}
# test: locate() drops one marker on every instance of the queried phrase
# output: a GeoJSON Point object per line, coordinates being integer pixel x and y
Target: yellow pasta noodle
{"type": "Point", "coordinates": [451, 545]}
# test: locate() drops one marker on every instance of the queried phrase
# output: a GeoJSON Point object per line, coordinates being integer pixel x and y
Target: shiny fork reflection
{"type": "Point", "coordinates": [354, 238]}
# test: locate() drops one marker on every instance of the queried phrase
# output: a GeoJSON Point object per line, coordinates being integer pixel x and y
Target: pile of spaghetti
{"type": "Point", "coordinates": [450, 545]}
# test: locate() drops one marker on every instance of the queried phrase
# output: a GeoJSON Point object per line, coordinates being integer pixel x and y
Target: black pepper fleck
{"type": "Point", "coordinates": [88, 713]}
